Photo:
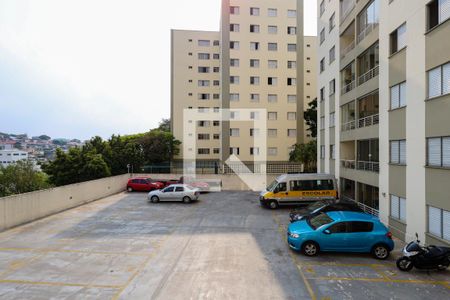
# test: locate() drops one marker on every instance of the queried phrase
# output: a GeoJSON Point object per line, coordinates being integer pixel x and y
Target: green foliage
{"type": "Point", "coordinates": [21, 177]}
{"type": "Point", "coordinates": [310, 116]}
{"type": "Point", "coordinates": [164, 125]}
{"type": "Point", "coordinates": [159, 146]}
{"type": "Point", "coordinates": [44, 137]}
{"type": "Point", "coordinates": [124, 151]}
{"type": "Point", "coordinates": [306, 154]}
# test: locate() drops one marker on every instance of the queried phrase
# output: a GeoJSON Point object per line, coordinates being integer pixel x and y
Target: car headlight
{"type": "Point", "coordinates": [294, 235]}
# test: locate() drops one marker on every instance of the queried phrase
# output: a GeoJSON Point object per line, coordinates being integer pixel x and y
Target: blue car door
{"type": "Point", "coordinates": [334, 238]}
{"type": "Point", "coordinates": [360, 237]}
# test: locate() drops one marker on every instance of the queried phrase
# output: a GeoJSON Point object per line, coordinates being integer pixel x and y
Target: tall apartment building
{"type": "Point", "coordinates": [258, 59]}
{"type": "Point", "coordinates": [384, 102]}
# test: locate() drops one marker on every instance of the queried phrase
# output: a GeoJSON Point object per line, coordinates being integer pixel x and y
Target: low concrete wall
{"type": "Point", "coordinates": [23, 208]}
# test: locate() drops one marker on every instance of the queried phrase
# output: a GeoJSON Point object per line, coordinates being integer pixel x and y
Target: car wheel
{"type": "Point", "coordinates": [129, 189]}
{"type": "Point", "coordinates": [380, 251]}
{"type": "Point", "coordinates": [154, 199]}
{"type": "Point", "coordinates": [186, 199]}
{"type": "Point", "coordinates": [404, 264]}
{"type": "Point", "coordinates": [310, 248]}
{"type": "Point", "coordinates": [272, 204]}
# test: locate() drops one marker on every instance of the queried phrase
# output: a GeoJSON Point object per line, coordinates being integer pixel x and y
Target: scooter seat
{"type": "Point", "coordinates": [434, 251]}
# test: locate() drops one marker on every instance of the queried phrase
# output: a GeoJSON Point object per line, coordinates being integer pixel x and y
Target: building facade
{"type": "Point", "coordinates": [383, 109]}
{"type": "Point", "coordinates": [259, 59]}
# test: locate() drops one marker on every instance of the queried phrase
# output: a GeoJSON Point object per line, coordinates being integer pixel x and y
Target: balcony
{"type": "Point", "coordinates": [365, 32]}
{"type": "Point", "coordinates": [348, 126]}
{"type": "Point", "coordinates": [368, 75]}
{"type": "Point", "coordinates": [348, 87]}
{"type": "Point", "coordinates": [346, 8]}
{"type": "Point", "coordinates": [347, 49]}
{"type": "Point", "coordinates": [368, 121]}
{"type": "Point", "coordinates": [348, 163]}
{"type": "Point", "coordinates": [371, 166]}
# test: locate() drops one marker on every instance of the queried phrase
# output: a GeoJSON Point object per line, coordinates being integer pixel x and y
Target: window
{"type": "Point", "coordinates": [292, 116]}
{"type": "Point", "coordinates": [322, 94]}
{"type": "Point", "coordinates": [322, 36]}
{"type": "Point", "coordinates": [272, 29]}
{"type": "Point", "coordinates": [332, 87]}
{"type": "Point", "coordinates": [203, 69]}
{"type": "Point", "coordinates": [234, 150]}
{"type": "Point", "coordinates": [272, 12]}
{"type": "Point", "coordinates": [332, 119]}
{"type": "Point", "coordinates": [332, 151]}
{"type": "Point", "coordinates": [203, 136]}
{"type": "Point", "coordinates": [332, 22]}
{"type": "Point", "coordinates": [322, 152]}
{"type": "Point", "coordinates": [292, 132]}
{"type": "Point", "coordinates": [359, 226]}
{"type": "Point", "coordinates": [292, 13]}
{"type": "Point", "coordinates": [272, 98]}
{"type": "Point", "coordinates": [272, 64]}
{"type": "Point", "coordinates": [234, 45]}
{"type": "Point", "coordinates": [332, 55]}
{"type": "Point", "coordinates": [292, 81]}
{"type": "Point", "coordinates": [234, 10]}
{"type": "Point", "coordinates": [292, 64]}
{"type": "Point", "coordinates": [322, 65]}
{"type": "Point", "coordinates": [254, 11]}
{"type": "Point", "coordinates": [254, 115]}
{"type": "Point", "coordinates": [292, 30]}
{"type": "Point", "coordinates": [204, 123]}
{"type": "Point", "coordinates": [322, 7]}
{"type": "Point", "coordinates": [322, 122]}
{"type": "Point", "coordinates": [216, 43]}
{"type": "Point", "coordinates": [216, 150]}
{"type": "Point", "coordinates": [203, 56]}
{"type": "Point", "coordinates": [272, 132]}
{"type": "Point", "coordinates": [271, 80]}
{"type": "Point", "coordinates": [234, 79]}
{"type": "Point", "coordinates": [398, 152]}
{"type": "Point", "coordinates": [271, 115]}
{"type": "Point", "coordinates": [234, 62]}
{"type": "Point", "coordinates": [272, 46]}
{"type": "Point", "coordinates": [203, 96]}
{"type": "Point", "coordinates": [438, 152]}
{"type": "Point", "coordinates": [272, 151]}
{"type": "Point", "coordinates": [398, 208]}
{"type": "Point", "coordinates": [292, 98]}
{"type": "Point", "coordinates": [203, 43]}
{"type": "Point", "coordinates": [438, 12]}
{"type": "Point", "coordinates": [234, 27]}
{"type": "Point", "coordinates": [398, 95]}
{"type": "Point", "coordinates": [254, 63]}
{"type": "Point", "coordinates": [254, 28]}
{"type": "Point", "coordinates": [439, 222]}
{"type": "Point", "coordinates": [439, 80]}
{"type": "Point", "coordinates": [216, 56]}
{"type": "Point", "coordinates": [234, 131]}
{"type": "Point", "coordinates": [398, 39]}
{"type": "Point", "coordinates": [234, 115]}
{"type": "Point", "coordinates": [234, 97]}
{"type": "Point", "coordinates": [292, 47]}
{"type": "Point", "coordinates": [254, 46]}
{"type": "Point", "coordinates": [254, 151]}
{"type": "Point", "coordinates": [203, 83]}
{"type": "Point", "coordinates": [216, 82]}
{"type": "Point", "coordinates": [254, 97]}
{"type": "Point", "coordinates": [254, 80]}
{"type": "Point", "coordinates": [216, 123]}
{"type": "Point", "coordinates": [216, 136]}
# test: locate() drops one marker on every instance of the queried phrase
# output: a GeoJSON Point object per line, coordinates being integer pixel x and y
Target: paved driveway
{"type": "Point", "coordinates": [225, 246]}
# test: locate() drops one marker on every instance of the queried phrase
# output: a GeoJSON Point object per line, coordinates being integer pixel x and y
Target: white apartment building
{"type": "Point", "coordinates": [10, 156]}
{"type": "Point", "coordinates": [384, 102]}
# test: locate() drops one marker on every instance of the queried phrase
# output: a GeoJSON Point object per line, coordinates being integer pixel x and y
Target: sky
{"type": "Point", "coordinates": [80, 68]}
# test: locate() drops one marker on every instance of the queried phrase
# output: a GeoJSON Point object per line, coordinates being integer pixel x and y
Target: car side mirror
{"type": "Point", "coordinates": [326, 231]}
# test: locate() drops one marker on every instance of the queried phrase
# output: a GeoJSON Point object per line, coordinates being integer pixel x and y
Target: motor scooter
{"type": "Point", "coordinates": [423, 257]}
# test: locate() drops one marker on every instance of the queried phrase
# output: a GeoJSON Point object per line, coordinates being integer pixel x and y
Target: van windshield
{"type": "Point", "coordinates": [272, 186]}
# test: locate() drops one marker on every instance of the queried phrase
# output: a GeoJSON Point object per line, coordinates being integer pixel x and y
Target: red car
{"type": "Point", "coordinates": [142, 184]}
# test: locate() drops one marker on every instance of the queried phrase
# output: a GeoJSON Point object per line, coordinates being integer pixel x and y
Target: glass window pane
{"type": "Point", "coordinates": [401, 37]}
{"type": "Point", "coordinates": [402, 209]}
{"type": "Point", "coordinates": [434, 82]}
{"type": "Point", "coordinates": [446, 152]}
{"type": "Point", "coordinates": [434, 221]}
{"type": "Point", "coordinates": [402, 151]}
{"type": "Point", "coordinates": [446, 225]}
{"type": "Point", "coordinates": [444, 10]}
{"type": "Point", "coordinates": [394, 152]}
{"type": "Point", "coordinates": [395, 97]}
{"type": "Point", "coordinates": [402, 88]}
{"type": "Point", "coordinates": [446, 79]}
{"type": "Point", "coordinates": [434, 152]}
{"type": "Point", "coordinates": [394, 207]}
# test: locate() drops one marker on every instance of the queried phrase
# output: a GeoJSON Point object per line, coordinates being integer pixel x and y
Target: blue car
{"type": "Point", "coordinates": [341, 231]}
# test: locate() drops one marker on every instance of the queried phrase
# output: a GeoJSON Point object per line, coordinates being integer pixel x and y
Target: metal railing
{"type": "Point", "coordinates": [347, 49]}
{"type": "Point", "coordinates": [367, 209]}
{"type": "Point", "coordinates": [368, 75]}
{"type": "Point", "coordinates": [371, 166]}
{"type": "Point", "coordinates": [369, 121]}
{"type": "Point", "coordinates": [348, 126]}
{"type": "Point", "coordinates": [366, 31]}
{"type": "Point", "coordinates": [348, 164]}
{"type": "Point", "coordinates": [347, 11]}
{"type": "Point", "coordinates": [348, 87]}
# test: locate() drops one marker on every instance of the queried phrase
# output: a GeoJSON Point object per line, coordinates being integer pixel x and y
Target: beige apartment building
{"type": "Point", "coordinates": [384, 107]}
{"type": "Point", "coordinates": [259, 59]}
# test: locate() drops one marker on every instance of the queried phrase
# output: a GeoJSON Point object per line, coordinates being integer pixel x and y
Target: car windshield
{"type": "Point", "coordinates": [319, 220]}
{"type": "Point", "coordinates": [315, 206]}
{"type": "Point", "coordinates": [272, 186]}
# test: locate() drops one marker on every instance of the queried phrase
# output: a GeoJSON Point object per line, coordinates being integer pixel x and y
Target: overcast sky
{"type": "Point", "coordinates": [79, 68]}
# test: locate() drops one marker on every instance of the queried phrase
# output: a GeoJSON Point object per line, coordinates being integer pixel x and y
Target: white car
{"type": "Point", "coordinates": [175, 192]}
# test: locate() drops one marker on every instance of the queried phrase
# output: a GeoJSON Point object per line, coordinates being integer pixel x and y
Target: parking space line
{"type": "Point", "coordinates": [49, 283]}
{"type": "Point", "coordinates": [47, 250]}
{"type": "Point", "coordinates": [383, 280]}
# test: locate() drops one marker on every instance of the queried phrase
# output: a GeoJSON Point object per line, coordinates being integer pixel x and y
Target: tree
{"type": "Point", "coordinates": [125, 151]}
{"type": "Point", "coordinates": [159, 146]}
{"type": "Point", "coordinates": [310, 116]}
{"type": "Point", "coordinates": [306, 154]}
{"type": "Point", "coordinates": [164, 125]}
{"type": "Point", "coordinates": [21, 177]}
{"type": "Point", "coordinates": [44, 137]}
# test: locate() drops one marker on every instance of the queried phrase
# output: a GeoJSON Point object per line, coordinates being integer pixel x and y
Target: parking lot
{"type": "Point", "coordinates": [224, 246]}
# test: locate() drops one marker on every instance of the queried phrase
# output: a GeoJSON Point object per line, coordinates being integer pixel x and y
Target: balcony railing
{"type": "Point", "coordinates": [366, 31]}
{"type": "Point", "coordinates": [366, 208]}
{"type": "Point", "coordinates": [348, 126]}
{"type": "Point", "coordinates": [348, 164]}
{"type": "Point", "coordinates": [368, 75]}
{"type": "Point", "coordinates": [371, 166]}
{"type": "Point", "coordinates": [369, 121]}
{"type": "Point", "coordinates": [347, 10]}
{"type": "Point", "coordinates": [348, 87]}
{"type": "Point", "coordinates": [347, 49]}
